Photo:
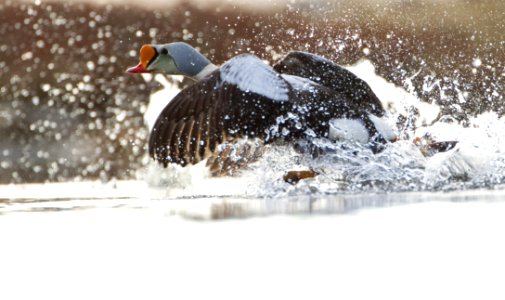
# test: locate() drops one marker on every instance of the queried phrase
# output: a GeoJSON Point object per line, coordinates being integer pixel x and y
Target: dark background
{"type": "Point", "coordinates": [68, 111]}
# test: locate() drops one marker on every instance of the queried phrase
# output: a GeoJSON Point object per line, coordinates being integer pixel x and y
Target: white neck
{"type": "Point", "coordinates": [205, 71]}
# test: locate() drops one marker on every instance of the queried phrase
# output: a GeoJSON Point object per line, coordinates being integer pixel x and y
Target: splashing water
{"type": "Point", "coordinates": [477, 161]}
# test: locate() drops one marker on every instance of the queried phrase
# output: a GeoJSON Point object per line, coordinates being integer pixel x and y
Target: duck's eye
{"type": "Point", "coordinates": [164, 51]}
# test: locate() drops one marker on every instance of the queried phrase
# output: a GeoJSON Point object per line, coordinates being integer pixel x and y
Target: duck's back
{"type": "Point", "coordinates": [344, 83]}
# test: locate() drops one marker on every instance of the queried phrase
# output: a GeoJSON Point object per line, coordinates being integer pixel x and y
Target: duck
{"type": "Point", "coordinates": [302, 96]}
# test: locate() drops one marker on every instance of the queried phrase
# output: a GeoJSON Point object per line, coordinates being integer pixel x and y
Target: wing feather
{"type": "Point", "coordinates": [185, 137]}
{"type": "Point", "coordinates": [164, 145]}
{"type": "Point", "coordinates": [175, 142]}
{"type": "Point", "coordinates": [250, 74]}
{"type": "Point", "coordinates": [196, 138]}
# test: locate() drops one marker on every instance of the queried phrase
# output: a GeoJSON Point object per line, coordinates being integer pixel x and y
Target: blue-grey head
{"type": "Point", "coordinates": [173, 59]}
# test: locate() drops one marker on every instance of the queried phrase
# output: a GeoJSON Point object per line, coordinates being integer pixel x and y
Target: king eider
{"type": "Point", "coordinates": [302, 96]}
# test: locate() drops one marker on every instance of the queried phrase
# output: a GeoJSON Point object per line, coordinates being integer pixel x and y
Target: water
{"type": "Point", "coordinates": [448, 245]}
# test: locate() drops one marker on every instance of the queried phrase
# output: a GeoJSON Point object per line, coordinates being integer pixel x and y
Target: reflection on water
{"type": "Point", "coordinates": [127, 196]}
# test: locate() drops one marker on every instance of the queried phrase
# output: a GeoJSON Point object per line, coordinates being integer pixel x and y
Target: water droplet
{"type": "Point", "coordinates": [27, 55]}
{"type": "Point", "coordinates": [90, 65]}
{"type": "Point", "coordinates": [477, 62]}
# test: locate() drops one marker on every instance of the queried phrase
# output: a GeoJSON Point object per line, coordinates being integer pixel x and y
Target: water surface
{"type": "Point", "coordinates": [109, 244]}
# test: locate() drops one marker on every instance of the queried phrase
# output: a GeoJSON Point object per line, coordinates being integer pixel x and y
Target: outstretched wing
{"type": "Point", "coordinates": [241, 99]}
{"type": "Point", "coordinates": [331, 75]}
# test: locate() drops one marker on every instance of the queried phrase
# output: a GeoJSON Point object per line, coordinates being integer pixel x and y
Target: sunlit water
{"type": "Point", "coordinates": [141, 248]}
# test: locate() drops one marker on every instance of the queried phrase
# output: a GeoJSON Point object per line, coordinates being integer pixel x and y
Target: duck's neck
{"type": "Point", "coordinates": [204, 72]}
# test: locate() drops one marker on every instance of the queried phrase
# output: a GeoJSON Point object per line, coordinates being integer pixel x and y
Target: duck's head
{"type": "Point", "coordinates": [172, 59]}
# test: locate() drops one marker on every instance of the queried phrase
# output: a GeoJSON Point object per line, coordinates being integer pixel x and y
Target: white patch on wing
{"type": "Point", "coordinates": [300, 83]}
{"type": "Point", "coordinates": [250, 74]}
{"type": "Point", "coordinates": [383, 128]}
{"type": "Point", "coordinates": [348, 130]}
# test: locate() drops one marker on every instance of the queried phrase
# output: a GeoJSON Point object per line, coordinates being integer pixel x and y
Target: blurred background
{"type": "Point", "coordinates": [68, 111]}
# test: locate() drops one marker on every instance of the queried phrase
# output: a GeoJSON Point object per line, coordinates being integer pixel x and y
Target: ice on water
{"type": "Point", "coordinates": [477, 161]}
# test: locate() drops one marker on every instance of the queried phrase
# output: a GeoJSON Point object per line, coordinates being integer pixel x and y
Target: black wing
{"type": "Point", "coordinates": [242, 99]}
{"type": "Point", "coordinates": [331, 75]}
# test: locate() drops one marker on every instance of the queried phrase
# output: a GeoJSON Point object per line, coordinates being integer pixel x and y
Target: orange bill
{"type": "Point", "coordinates": [147, 53]}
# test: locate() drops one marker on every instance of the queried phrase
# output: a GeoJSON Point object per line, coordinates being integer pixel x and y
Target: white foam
{"type": "Point", "coordinates": [396, 99]}
{"type": "Point", "coordinates": [348, 130]}
{"type": "Point", "coordinates": [384, 129]}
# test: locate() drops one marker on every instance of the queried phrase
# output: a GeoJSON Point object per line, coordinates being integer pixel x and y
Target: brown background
{"type": "Point", "coordinates": [68, 110]}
